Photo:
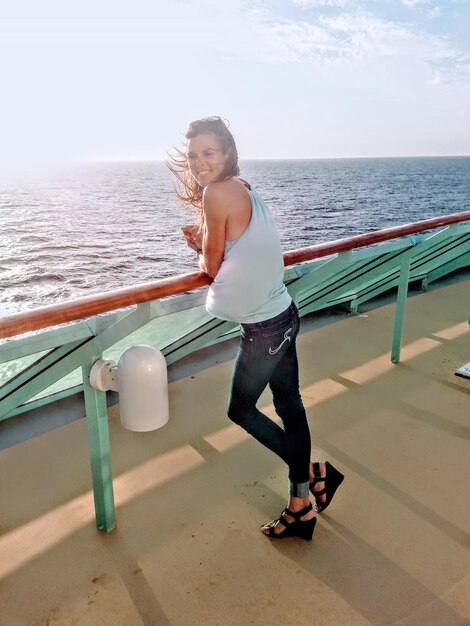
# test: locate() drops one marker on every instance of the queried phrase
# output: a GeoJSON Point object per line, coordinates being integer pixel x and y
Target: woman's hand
{"type": "Point", "coordinates": [193, 235]}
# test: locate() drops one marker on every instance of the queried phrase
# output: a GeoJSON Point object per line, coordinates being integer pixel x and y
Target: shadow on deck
{"type": "Point", "coordinates": [393, 548]}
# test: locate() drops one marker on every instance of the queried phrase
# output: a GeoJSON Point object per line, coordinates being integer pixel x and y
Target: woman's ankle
{"type": "Point", "coordinates": [297, 504]}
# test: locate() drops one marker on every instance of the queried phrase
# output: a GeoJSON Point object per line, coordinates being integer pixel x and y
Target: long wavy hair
{"type": "Point", "coordinates": [188, 190]}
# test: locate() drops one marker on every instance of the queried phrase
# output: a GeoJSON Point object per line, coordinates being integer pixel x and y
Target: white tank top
{"type": "Point", "coordinates": [249, 285]}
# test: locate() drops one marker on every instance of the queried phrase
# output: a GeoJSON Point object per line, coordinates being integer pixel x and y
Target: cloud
{"type": "Point", "coordinates": [366, 35]}
{"type": "Point", "coordinates": [354, 38]}
{"type": "Point", "coordinates": [290, 41]}
{"type": "Point", "coordinates": [322, 3]}
{"type": "Point", "coordinates": [413, 3]}
{"type": "Point", "coordinates": [451, 70]}
{"type": "Point", "coordinates": [342, 38]}
{"type": "Point", "coordinates": [424, 7]}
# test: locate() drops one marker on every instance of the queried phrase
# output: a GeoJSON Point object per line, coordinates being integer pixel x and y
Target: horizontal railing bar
{"type": "Point", "coordinates": [35, 343]}
{"type": "Point", "coordinates": [359, 241]}
{"type": "Point", "coordinates": [87, 306]}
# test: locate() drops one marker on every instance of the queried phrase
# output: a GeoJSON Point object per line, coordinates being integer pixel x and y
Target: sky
{"type": "Point", "coordinates": [121, 80]}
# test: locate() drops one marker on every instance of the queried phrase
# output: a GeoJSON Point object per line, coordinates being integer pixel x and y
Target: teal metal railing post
{"type": "Point", "coordinates": [98, 443]}
{"type": "Point", "coordinates": [400, 306]}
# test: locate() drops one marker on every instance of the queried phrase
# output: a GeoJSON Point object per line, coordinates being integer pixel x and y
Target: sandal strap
{"type": "Point", "coordinates": [317, 477]}
{"type": "Point", "coordinates": [280, 520]}
{"type": "Point", "coordinates": [297, 514]}
{"type": "Point", "coordinates": [286, 523]}
{"type": "Point", "coordinates": [321, 492]}
{"type": "Point", "coordinates": [283, 520]}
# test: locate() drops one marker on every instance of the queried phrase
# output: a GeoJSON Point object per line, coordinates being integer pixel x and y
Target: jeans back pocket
{"type": "Point", "coordinates": [277, 343]}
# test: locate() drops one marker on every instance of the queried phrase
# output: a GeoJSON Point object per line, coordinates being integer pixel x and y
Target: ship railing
{"type": "Point", "coordinates": [42, 367]}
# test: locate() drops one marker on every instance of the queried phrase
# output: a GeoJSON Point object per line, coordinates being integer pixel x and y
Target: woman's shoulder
{"type": "Point", "coordinates": [231, 190]}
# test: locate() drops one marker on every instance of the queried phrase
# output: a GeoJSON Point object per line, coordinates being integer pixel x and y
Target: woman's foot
{"type": "Point", "coordinates": [324, 481]}
{"type": "Point", "coordinates": [294, 505]}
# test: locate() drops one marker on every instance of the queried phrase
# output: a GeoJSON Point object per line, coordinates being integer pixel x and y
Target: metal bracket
{"type": "Point", "coordinates": [103, 375]}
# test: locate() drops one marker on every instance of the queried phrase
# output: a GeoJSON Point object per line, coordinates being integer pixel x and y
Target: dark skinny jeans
{"type": "Point", "coordinates": [267, 355]}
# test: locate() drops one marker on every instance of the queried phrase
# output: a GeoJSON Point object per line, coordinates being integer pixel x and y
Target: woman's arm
{"type": "Point", "coordinates": [217, 201]}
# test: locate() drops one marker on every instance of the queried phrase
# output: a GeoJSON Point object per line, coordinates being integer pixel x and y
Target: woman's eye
{"type": "Point", "coordinates": [209, 154]}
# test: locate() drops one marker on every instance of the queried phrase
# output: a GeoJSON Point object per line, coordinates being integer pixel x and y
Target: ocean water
{"type": "Point", "coordinates": [97, 227]}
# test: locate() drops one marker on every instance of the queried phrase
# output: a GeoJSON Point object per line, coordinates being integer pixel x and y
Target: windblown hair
{"type": "Point", "coordinates": [189, 191]}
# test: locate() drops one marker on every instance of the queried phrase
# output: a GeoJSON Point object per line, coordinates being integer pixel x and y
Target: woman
{"type": "Point", "coordinates": [238, 245]}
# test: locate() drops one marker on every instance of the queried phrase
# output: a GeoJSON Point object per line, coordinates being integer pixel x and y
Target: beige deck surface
{"type": "Point", "coordinates": [393, 548]}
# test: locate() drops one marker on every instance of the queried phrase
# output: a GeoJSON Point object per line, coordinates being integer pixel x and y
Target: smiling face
{"type": "Point", "coordinates": [206, 159]}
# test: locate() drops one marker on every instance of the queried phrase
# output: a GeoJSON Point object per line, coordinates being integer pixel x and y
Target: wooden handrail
{"type": "Point", "coordinates": [359, 241]}
{"type": "Point", "coordinates": [50, 315]}
{"type": "Point", "coordinates": [46, 316]}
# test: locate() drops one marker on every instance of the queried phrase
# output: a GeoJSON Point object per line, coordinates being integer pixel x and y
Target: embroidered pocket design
{"type": "Point", "coordinates": [287, 337]}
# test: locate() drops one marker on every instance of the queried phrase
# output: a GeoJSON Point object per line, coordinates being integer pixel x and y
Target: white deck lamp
{"type": "Point", "coordinates": [142, 382]}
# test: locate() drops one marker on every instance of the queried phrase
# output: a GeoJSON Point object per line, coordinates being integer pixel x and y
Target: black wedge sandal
{"type": "Point", "coordinates": [332, 480]}
{"type": "Point", "coordinates": [298, 528]}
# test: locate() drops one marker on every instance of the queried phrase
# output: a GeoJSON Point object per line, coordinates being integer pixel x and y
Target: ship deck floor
{"type": "Point", "coordinates": [393, 548]}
